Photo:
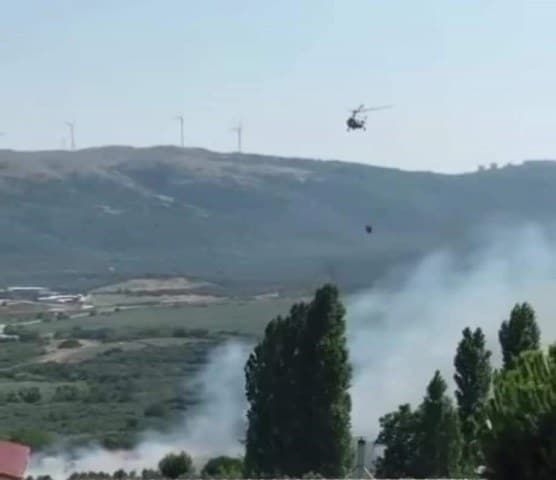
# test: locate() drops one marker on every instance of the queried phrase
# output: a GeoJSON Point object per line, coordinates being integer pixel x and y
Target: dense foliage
{"type": "Point", "coordinates": [439, 440]}
{"type": "Point", "coordinates": [425, 443]}
{"type": "Point", "coordinates": [520, 443]}
{"type": "Point", "coordinates": [399, 434]}
{"type": "Point", "coordinates": [512, 434]}
{"type": "Point", "coordinates": [297, 382]}
{"type": "Point", "coordinates": [175, 465]}
{"type": "Point", "coordinates": [472, 378]}
{"type": "Point", "coordinates": [109, 397]}
{"type": "Point", "coordinates": [223, 467]}
{"type": "Point", "coordinates": [519, 334]}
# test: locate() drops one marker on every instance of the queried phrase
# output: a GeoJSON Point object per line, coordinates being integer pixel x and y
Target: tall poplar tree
{"type": "Point", "coordinates": [473, 379]}
{"type": "Point", "coordinates": [297, 382]}
{"type": "Point", "coordinates": [518, 334]}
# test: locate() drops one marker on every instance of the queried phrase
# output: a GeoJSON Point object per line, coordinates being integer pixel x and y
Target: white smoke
{"type": "Point", "coordinates": [214, 428]}
{"type": "Point", "coordinates": [399, 338]}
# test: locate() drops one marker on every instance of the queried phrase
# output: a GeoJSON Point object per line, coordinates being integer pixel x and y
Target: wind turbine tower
{"type": "Point", "coordinates": [71, 126]}
{"type": "Point", "coordinates": [239, 131]}
{"type": "Point", "coordinates": [180, 118]}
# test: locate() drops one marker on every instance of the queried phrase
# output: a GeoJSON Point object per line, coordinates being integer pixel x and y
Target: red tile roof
{"type": "Point", "coordinates": [14, 459]}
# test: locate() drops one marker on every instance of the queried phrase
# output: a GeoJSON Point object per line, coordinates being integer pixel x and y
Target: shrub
{"type": "Point", "coordinates": [120, 474]}
{"type": "Point", "coordinates": [66, 393]}
{"type": "Point", "coordinates": [118, 441]}
{"type": "Point", "coordinates": [223, 467]}
{"type": "Point", "coordinates": [12, 397]}
{"type": "Point", "coordinates": [179, 332]}
{"type": "Point", "coordinates": [174, 465]}
{"type": "Point", "coordinates": [155, 410]}
{"type": "Point", "coordinates": [131, 423]}
{"type": "Point", "coordinates": [70, 343]}
{"type": "Point", "coordinates": [30, 395]}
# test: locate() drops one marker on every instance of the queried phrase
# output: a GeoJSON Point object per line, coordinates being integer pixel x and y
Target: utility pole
{"type": "Point", "coordinates": [71, 126]}
{"type": "Point", "coordinates": [180, 118]}
{"type": "Point", "coordinates": [239, 131]}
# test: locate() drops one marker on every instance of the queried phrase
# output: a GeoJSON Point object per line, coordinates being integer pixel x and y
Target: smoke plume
{"type": "Point", "coordinates": [215, 427]}
{"type": "Point", "coordinates": [398, 338]}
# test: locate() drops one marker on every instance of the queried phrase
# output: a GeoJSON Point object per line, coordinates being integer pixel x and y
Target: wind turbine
{"type": "Point", "coordinates": [71, 126]}
{"type": "Point", "coordinates": [239, 131]}
{"type": "Point", "coordinates": [180, 118]}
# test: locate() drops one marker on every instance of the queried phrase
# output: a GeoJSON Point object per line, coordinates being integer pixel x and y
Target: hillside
{"type": "Point", "coordinates": [73, 219]}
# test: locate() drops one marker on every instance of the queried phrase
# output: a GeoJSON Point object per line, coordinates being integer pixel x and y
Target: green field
{"type": "Point", "coordinates": [241, 316]}
{"type": "Point", "coordinates": [132, 371]}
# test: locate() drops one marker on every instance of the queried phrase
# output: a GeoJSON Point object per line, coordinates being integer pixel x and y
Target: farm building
{"type": "Point", "coordinates": [27, 293]}
{"type": "Point", "coordinates": [14, 460]}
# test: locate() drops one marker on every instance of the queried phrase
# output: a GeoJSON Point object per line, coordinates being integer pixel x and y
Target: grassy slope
{"type": "Point", "coordinates": [246, 222]}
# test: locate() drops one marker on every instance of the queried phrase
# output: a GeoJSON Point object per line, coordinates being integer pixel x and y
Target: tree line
{"type": "Point", "coordinates": [172, 466]}
{"type": "Point", "coordinates": [501, 425]}
{"type": "Point", "coordinates": [440, 439]}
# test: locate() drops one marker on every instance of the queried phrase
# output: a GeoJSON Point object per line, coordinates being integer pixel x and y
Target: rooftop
{"type": "Point", "coordinates": [14, 459]}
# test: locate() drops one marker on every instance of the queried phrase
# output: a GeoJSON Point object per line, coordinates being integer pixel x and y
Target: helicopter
{"type": "Point", "coordinates": [356, 122]}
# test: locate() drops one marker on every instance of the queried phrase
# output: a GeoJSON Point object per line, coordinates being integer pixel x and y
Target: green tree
{"type": "Point", "coordinates": [175, 465]}
{"type": "Point", "coordinates": [398, 436]}
{"type": "Point", "coordinates": [520, 442]}
{"type": "Point", "coordinates": [297, 382]}
{"type": "Point", "coordinates": [271, 389]}
{"type": "Point", "coordinates": [223, 467]}
{"type": "Point", "coordinates": [30, 394]}
{"type": "Point", "coordinates": [519, 334]}
{"type": "Point", "coordinates": [326, 376]}
{"type": "Point", "coordinates": [120, 474]}
{"type": "Point", "coordinates": [473, 378]}
{"type": "Point", "coordinates": [439, 437]}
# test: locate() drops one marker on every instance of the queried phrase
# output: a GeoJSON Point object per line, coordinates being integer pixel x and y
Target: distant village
{"type": "Point", "coordinates": [23, 301]}
{"type": "Point", "coordinates": [40, 294]}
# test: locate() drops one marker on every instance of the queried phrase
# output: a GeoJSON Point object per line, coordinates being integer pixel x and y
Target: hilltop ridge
{"type": "Point", "coordinates": [241, 221]}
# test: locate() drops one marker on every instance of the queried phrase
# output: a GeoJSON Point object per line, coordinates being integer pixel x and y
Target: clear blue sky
{"type": "Point", "coordinates": [471, 81]}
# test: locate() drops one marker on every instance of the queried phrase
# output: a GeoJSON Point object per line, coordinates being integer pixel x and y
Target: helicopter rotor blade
{"type": "Point", "coordinates": [372, 109]}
